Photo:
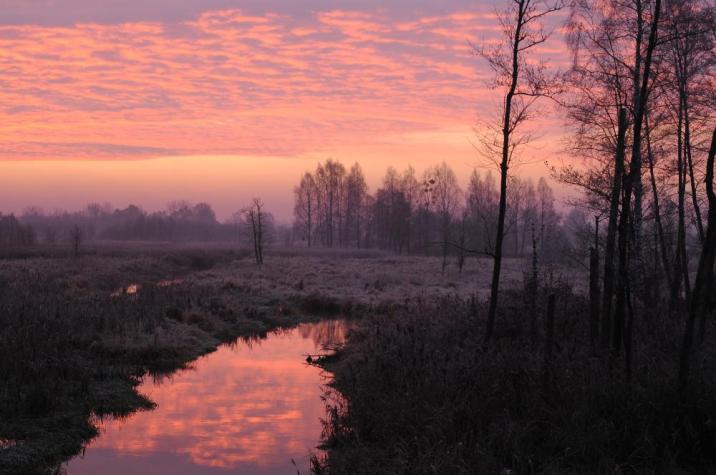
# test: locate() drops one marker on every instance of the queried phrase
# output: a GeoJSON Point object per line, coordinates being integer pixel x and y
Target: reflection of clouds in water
{"type": "Point", "coordinates": [237, 407]}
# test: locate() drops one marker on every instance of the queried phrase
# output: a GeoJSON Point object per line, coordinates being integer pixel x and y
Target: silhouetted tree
{"type": "Point", "coordinates": [259, 225]}
{"type": "Point", "coordinates": [523, 83]}
{"type": "Point", "coordinates": [306, 204]}
{"type": "Point", "coordinates": [703, 284]}
{"type": "Point", "coordinates": [445, 199]}
{"type": "Point", "coordinates": [76, 239]}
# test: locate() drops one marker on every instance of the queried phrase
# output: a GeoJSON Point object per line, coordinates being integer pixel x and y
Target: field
{"type": "Point", "coordinates": [415, 390]}
{"type": "Point", "coordinates": [79, 332]}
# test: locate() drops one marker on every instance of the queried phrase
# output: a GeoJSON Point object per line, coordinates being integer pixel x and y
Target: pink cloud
{"type": "Point", "coordinates": [228, 82]}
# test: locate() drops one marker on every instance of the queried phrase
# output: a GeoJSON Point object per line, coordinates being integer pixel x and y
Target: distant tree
{"type": "Point", "coordinates": [306, 206]}
{"type": "Point", "coordinates": [391, 213]}
{"type": "Point", "coordinates": [15, 233]}
{"type": "Point", "coordinates": [202, 213]}
{"type": "Point", "coordinates": [481, 204]}
{"type": "Point", "coordinates": [355, 193]}
{"type": "Point", "coordinates": [76, 240]}
{"type": "Point", "coordinates": [462, 239]}
{"type": "Point", "coordinates": [50, 235]}
{"type": "Point", "coordinates": [259, 225]}
{"type": "Point", "coordinates": [410, 187]}
{"type": "Point", "coordinates": [329, 178]}
{"type": "Point", "coordinates": [445, 199]}
{"type": "Point", "coordinates": [180, 210]}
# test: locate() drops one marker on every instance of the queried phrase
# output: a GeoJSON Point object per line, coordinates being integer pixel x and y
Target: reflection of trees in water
{"type": "Point", "coordinates": [326, 334]}
{"type": "Point", "coordinates": [248, 341]}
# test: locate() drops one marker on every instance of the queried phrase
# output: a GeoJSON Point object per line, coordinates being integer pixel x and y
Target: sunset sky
{"type": "Point", "coordinates": [222, 100]}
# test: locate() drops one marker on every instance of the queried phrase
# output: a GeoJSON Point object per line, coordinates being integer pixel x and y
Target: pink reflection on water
{"type": "Point", "coordinates": [249, 408]}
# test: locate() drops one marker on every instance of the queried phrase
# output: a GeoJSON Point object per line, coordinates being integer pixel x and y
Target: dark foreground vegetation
{"type": "Point", "coordinates": [421, 392]}
{"type": "Point", "coordinates": [78, 334]}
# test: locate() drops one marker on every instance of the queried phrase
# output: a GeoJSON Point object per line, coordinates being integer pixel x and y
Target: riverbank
{"type": "Point", "coordinates": [77, 335]}
{"type": "Point", "coordinates": [251, 407]}
{"type": "Point", "coordinates": [420, 392]}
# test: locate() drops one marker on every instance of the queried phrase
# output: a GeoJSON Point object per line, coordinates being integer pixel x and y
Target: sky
{"type": "Point", "coordinates": [145, 102]}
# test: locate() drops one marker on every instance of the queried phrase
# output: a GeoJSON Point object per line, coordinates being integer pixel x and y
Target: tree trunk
{"type": "Point", "coordinates": [636, 101]}
{"type": "Point", "coordinates": [611, 231]}
{"type": "Point", "coordinates": [681, 268]}
{"type": "Point", "coordinates": [504, 165]}
{"type": "Point", "coordinates": [690, 163]}
{"type": "Point", "coordinates": [704, 276]}
{"type": "Point", "coordinates": [310, 220]}
{"type": "Point", "coordinates": [254, 235]}
{"type": "Point", "coordinates": [657, 208]}
{"type": "Point", "coordinates": [632, 180]}
{"type": "Point", "coordinates": [260, 236]}
{"type": "Point", "coordinates": [533, 285]}
{"type": "Point", "coordinates": [678, 275]}
{"type": "Point", "coordinates": [623, 272]}
{"type": "Point", "coordinates": [593, 296]}
{"type": "Point", "coordinates": [548, 344]}
{"type": "Point", "coordinates": [446, 231]}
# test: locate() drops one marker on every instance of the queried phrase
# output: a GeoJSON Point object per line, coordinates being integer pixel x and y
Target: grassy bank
{"type": "Point", "coordinates": [419, 392]}
{"type": "Point", "coordinates": [77, 335]}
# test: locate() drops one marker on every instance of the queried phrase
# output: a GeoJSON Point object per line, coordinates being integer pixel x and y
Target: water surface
{"type": "Point", "coordinates": [248, 408]}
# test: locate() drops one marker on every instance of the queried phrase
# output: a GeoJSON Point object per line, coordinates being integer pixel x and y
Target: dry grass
{"type": "Point", "coordinates": [419, 392]}
{"type": "Point", "coordinates": [375, 279]}
{"type": "Point", "coordinates": [73, 343]}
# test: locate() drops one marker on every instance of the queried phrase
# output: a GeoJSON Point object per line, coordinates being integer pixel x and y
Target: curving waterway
{"type": "Point", "coordinates": [250, 408]}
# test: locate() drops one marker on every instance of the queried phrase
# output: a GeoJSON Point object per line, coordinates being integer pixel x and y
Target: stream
{"type": "Point", "coordinates": [253, 407]}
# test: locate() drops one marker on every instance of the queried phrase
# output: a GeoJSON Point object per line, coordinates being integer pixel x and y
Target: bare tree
{"type": "Point", "coordinates": [411, 190]}
{"type": "Point", "coordinates": [50, 235]}
{"type": "Point", "coordinates": [523, 82]}
{"type": "Point", "coordinates": [391, 213]}
{"type": "Point", "coordinates": [329, 179]}
{"type": "Point", "coordinates": [704, 277]}
{"type": "Point", "coordinates": [481, 203]}
{"type": "Point", "coordinates": [632, 184]}
{"type": "Point", "coordinates": [306, 204]}
{"type": "Point", "coordinates": [445, 198]}
{"type": "Point", "coordinates": [355, 193]}
{"type": "Point", "coordinates": [691, 59]}
{"type": "Point", "coordinates": [259, 225]}
{"type": "Point", "coordinates": [76, 240]}
{"type": "Point", "coordinates": [616, 191]}
{"type": "Point", "coordinates": [689, 66]}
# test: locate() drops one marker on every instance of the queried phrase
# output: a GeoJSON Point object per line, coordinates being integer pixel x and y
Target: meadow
{"type": "Point", "coordinates": [79, 333]}
{"type": "Point", "coordinates": [416, 389]}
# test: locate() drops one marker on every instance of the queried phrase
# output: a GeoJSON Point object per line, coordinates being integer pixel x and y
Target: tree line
{"type": "Point", "coordinates": [428, 213]}
{"type": "Point", "coordinates": [181, 221]}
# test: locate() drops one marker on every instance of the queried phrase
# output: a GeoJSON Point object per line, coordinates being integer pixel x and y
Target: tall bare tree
{"type": "Point", "coordinates": [632, 184]}
{"type": "Point", "coordinates": [703, 285]}
{"type": "Point", "coordinates": [523, 83]}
